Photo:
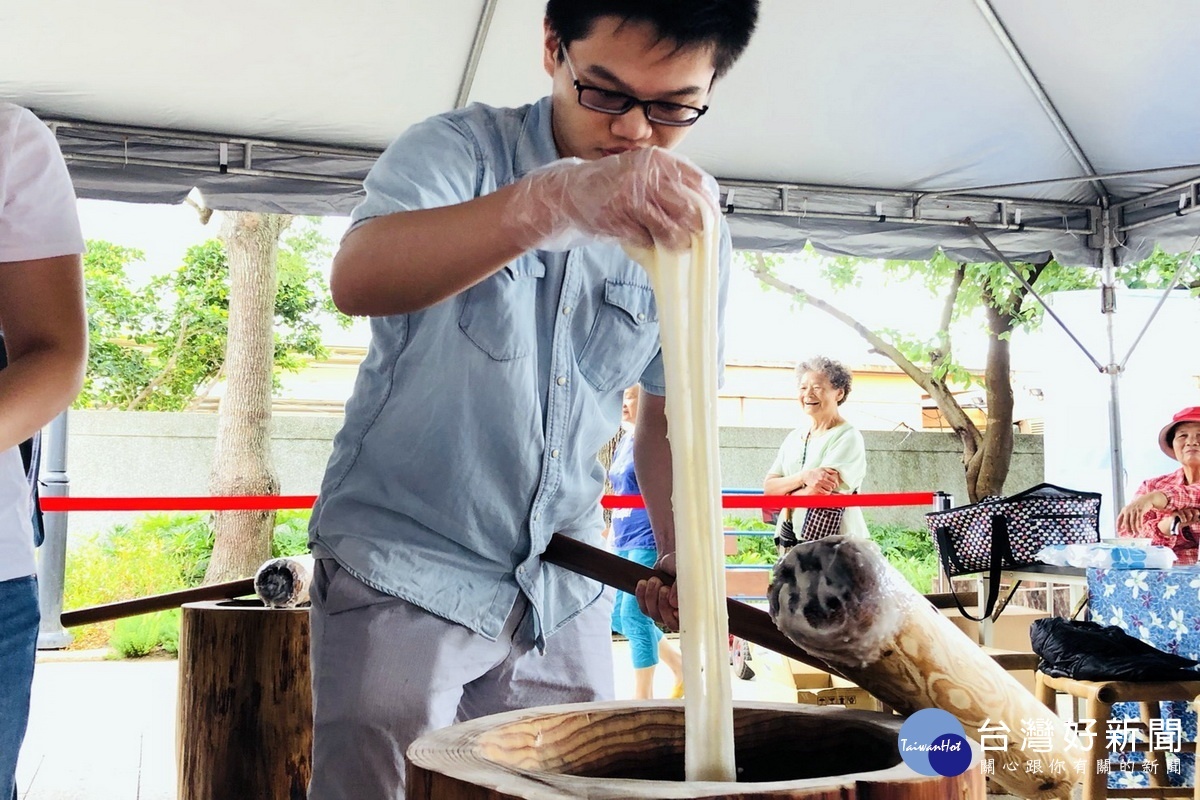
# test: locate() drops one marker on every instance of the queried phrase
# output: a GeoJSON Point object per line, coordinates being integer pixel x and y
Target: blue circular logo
{"type": "Point", "coordinates": [932, 742]}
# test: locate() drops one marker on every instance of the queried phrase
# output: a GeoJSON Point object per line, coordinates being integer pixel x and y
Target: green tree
{"type": "Point", "coordinates": [118, 316]}
{"type": "Point", "coordinates": [928, 358]}
{"type": "Point", "coordinates": [162, 347]}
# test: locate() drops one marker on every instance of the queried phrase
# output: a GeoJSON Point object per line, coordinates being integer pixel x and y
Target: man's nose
{"type": "Point", "coordinates": [632, 125]}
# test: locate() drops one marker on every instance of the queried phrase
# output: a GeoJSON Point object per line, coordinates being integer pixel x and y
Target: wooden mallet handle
{"type": "Point", "coordinates": [745, 621]}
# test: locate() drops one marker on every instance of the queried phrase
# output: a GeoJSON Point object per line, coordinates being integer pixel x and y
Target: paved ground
{"type": "Point", "coordinates": [105, 730]}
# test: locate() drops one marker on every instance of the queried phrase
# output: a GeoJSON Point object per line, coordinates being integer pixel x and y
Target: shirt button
{"type": "Point", "coordinates": [537, 516]}
{"type": "Point", "coordinates": [641, 316]}
{"type": "Point", "coordinates": [554, 453]}
{"type": "Point", "coordinates": [566, 310]}
{"type": "Point", "coordinates": [562, 380]}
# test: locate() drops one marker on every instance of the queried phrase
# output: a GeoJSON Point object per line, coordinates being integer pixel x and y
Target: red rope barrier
{"type": "Point", "coordinates": [272, 502]}
{"type": "Point", "coordinates": [232, 503]}
{"type": "Point", "coordinates": [790, 501]}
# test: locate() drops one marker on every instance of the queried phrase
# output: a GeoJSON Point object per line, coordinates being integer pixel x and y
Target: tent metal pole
{"type": "Point", "coordinates": [481, 34]}
{"type": "Point", "coordinates": [1108, 307]}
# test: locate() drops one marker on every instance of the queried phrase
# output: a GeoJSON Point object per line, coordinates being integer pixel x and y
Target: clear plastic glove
{"type": "Point", "coordinates": [637, 198]}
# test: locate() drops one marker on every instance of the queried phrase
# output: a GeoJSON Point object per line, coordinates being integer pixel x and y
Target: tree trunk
{"type": "Point", "coordinates": [989, 468]}
{"type": "Point", "coordinates": [242, 460]}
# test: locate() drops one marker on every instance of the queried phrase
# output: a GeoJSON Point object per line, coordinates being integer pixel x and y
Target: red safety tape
{"type": "Point", "coordinates": [790, 501]}
{"type": "Point", "coordinates": [272, 502]}
{"type": "Point", "coordinates": [232, 503]}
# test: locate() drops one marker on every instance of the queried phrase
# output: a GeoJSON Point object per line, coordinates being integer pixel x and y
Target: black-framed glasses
{"type": "Point", "coordinates": [606, 101]}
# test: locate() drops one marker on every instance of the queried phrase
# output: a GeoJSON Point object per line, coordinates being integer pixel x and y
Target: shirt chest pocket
{"type": "Point", "coordinates": [623, 338]}
{"type": "Point", "coordinates": [498, 315]}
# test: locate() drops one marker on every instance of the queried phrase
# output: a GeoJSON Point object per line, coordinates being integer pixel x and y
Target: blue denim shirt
{"type": "Point", "coordinates": [473, 430]}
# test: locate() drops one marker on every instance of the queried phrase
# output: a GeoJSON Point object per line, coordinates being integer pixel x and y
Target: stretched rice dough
{"type": "Point", "coordinates": [685, 289]}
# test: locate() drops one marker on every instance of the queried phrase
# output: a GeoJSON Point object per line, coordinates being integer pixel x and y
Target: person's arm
{"type": "Point", "coordinates": [819, 481]}
{"type": "Point", "coordinates": [846, 458]}
{"type": "Point", "coordinates": [409, 260]}
{"type": "Point", "coordinates": [45, 333]}
{"type": "Point", "coordinates": [652, 461]}
{"type": "Point", "coordinates": [782, 484]}
{"type": "Point", "coordinates": [777, 482]}
{"type": "Point", "coordinates": [1131, 520]}
{"type": "Point", "coordinates": [1185, 496]}
{"type": "Point", "coordinates": [442, 240]}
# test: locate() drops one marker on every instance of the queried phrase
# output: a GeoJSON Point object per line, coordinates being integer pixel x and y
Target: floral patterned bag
{"type": "Point", "coordinates": [1000, 533]}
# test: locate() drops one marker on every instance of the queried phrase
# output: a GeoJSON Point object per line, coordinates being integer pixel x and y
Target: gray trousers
{"type": "Point", "coordinates": [386, 672]}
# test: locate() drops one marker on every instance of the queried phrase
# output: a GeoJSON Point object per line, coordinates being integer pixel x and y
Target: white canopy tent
{"type": "Point", "coordinates": [865, 127]}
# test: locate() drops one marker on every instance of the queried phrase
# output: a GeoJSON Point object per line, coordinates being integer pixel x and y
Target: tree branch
{"type": "Point", "coordinates": [1020, 293]}
{"type": "Point", "coordinates": [201, 395]}
{"type": "Point", "coordinates": [941, 395]}
{"type": "Point", "coordinates": [163, 374]}
{"type": "Point", "coordinates": [942, 355]}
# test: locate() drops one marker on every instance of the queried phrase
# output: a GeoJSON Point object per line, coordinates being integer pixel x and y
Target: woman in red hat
{"type": "Point", "coordinates": [1167, 508]}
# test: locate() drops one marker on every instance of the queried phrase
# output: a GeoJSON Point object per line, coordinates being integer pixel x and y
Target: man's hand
{"type": "Point", "coordinates": [641, 197]}
{"type": "Point", "coordinates": [659, 601]}
{"type": "Point", "coordinates": [1131, 516]}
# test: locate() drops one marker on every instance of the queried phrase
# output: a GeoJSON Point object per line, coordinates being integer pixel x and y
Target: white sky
{"type": "Point", "coordinates": [763, 325]}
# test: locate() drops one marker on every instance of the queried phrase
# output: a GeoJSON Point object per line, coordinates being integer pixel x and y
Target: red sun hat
{"type": "Point", "coordinates": [1191, 414]}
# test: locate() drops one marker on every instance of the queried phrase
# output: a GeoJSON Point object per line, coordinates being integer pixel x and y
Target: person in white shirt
{"type": "Point", "coordinates": [45, 333]}
{"type": "Point", "coordinates": [828, 456]}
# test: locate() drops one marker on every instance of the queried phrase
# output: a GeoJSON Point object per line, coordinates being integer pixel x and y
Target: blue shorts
{"type": "Point", "coordinates": [628, 619]}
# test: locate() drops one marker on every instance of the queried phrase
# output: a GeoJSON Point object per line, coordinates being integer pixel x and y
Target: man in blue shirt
{"type": "Point", "coordinates": [506, 322]}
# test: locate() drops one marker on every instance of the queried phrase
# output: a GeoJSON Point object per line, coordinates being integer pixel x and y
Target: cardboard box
{"type": "Point", "coordinates": [1010, 632]}
{"type": "Point", "coordinates": [748, 581]}
{"type": "Point", "coordinates": [769, 665]}
{"type": "Point", "coordinates": [851, 697]}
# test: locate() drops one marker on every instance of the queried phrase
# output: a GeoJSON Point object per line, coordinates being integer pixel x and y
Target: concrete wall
{"type": "Point", "coordinates": [160, 454]}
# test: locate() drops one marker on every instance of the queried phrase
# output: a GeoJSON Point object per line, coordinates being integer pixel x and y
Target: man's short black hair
{"type": "Point", "coordinates": [725, 25]}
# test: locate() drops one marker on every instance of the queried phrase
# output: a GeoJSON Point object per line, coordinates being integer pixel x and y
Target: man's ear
{"type": "Point", "coordinates": [550, 50]}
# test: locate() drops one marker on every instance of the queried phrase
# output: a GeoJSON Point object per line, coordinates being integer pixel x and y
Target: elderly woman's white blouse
{"type": "Point", "coordinates": [841, 448]}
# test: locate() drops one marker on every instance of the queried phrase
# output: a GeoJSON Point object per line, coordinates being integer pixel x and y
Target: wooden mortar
{"type": "Point", "coordinates": [634, 750]}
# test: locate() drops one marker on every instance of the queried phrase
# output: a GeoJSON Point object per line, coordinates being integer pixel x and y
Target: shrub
{"type": "Point", "coordinates": [751, 549]}
{"type": "Point", "coordinates": [291, 533]}
{"type": "Point", "coordinates": [136, 637]}
{"type": "Point", "coordinates": [909, 551]}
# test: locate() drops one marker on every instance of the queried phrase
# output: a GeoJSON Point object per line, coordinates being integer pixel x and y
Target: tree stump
{"type": "Point", "coordinates": [245, 702]}
{"type": "Point", "coordinates": [630, 751]}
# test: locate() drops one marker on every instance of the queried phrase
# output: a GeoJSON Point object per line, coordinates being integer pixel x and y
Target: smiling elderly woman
{"type": "Point", "coordinates": [826, 457]}
{"type": "Point", "coordinates": [1167, 508]}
